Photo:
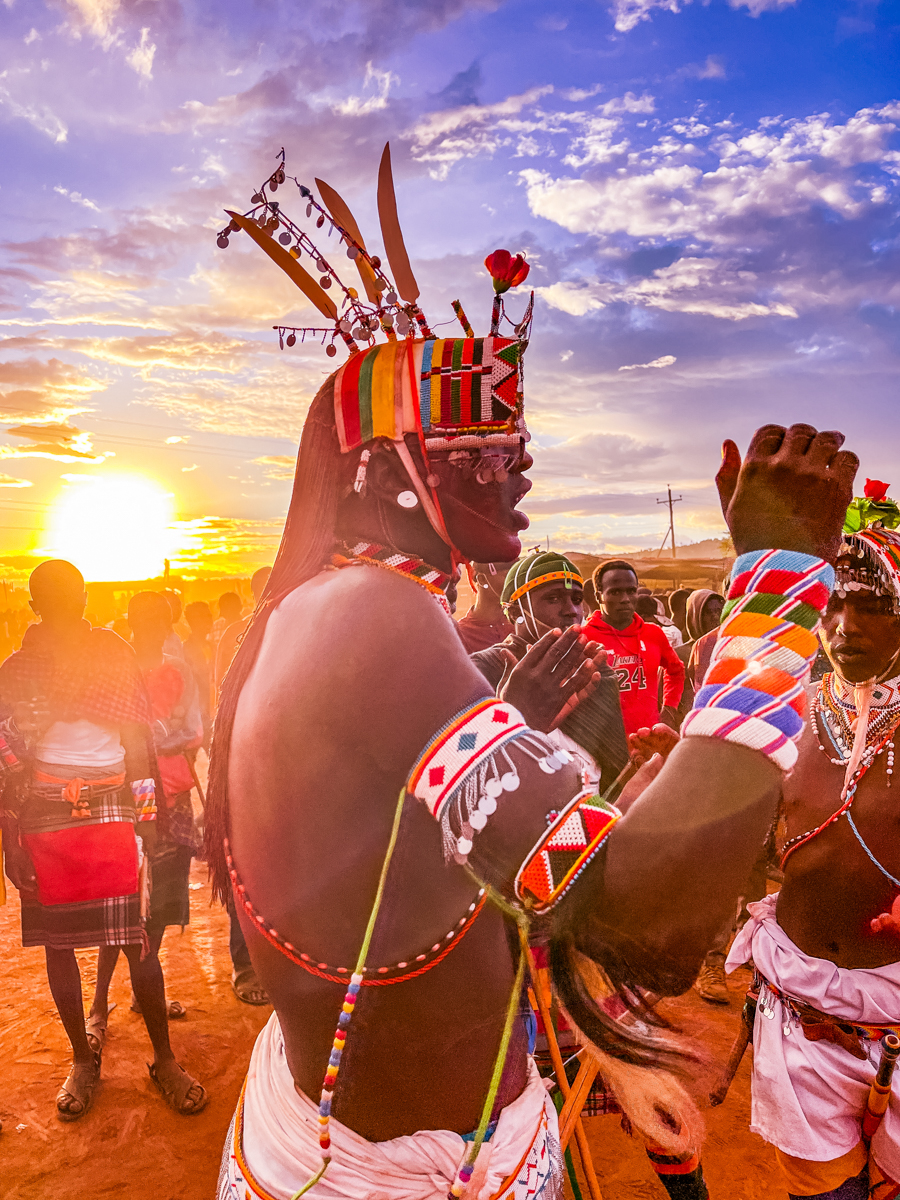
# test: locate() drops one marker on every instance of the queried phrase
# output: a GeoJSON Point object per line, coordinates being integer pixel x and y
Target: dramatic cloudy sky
{"type": "Point", "coordinates": [707, 191]}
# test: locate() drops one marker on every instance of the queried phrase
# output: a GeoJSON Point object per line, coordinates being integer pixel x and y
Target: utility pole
{"type": "Point", "coordinates": [671, 533]}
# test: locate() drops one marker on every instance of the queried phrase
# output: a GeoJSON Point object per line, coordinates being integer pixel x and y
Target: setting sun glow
{"type": "Point", "coordinates": [113, 527]}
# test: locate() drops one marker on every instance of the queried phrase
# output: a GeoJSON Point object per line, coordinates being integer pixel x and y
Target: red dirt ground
{"type": "Point", "coordinates": [132, 1147]}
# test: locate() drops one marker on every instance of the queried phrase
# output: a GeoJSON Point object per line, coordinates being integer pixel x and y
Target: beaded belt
{"type": "Point", "coordinates": [824, 1027]}
{"type": "Point", "coordinates": [72, 791]}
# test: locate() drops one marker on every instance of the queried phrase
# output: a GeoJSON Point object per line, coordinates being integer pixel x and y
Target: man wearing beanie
{"type": "Point", "coordinates": [543, 592]}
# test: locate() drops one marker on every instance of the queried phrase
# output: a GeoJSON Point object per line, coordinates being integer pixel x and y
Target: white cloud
{"type": "Point", "coordinates": [39, 116]}
{"type": "Point", "coordinates": [356, 106]}
{"type": "Point", "coordinates": [445, 137]}
{"type": "Point", "coordinates": [629, 13]}
{"type": "Point", "coordinates": [187, 470]}
{"type": "Point", "coordinates": [712, 68]}
{"type": "Point", "coordinates": [576, 299]}
{"type": "Point", "coordinates": [702, 286]}
{"type": "Point", "coordinates": [629, 103]}
{"type": "Point", "coordinates": [32, 36]}
{"type": "Point", "coordinates": [666, 361]}
{"type": "Point", "coordinates": [98, 16]}
{"type": "Point", "coordinates": [76, 198]}
{"type": "Point", "coordinates": [10, 481]}
{"type": "Point", "coordinates": [780, 169]}
{"type": "Point", "coordinates": [141, 57]}
{"type": "Point", "coordinates": [760, 6]}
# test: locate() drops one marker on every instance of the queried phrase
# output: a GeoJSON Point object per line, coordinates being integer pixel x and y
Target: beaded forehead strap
{"type": "Point", "coordinates": [869, 561]}
{"type": "Point", "coordinates": [536, 570]}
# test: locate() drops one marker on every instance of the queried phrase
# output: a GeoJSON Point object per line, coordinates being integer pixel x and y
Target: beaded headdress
{"type": "Point", "coordinates": [459, 394]}
{"type": "Point", "coordinates": [869, 557]}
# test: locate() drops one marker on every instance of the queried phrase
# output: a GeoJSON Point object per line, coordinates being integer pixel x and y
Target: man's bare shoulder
{"type": "Point", "coordinates": [366, 625]}
{"type": "Point", "coordinates": [368, 648]}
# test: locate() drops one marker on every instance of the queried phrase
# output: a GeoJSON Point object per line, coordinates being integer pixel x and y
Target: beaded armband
{"type": "Point", "coordinates": [466, 767]}
{"type": "Point", "coordinates": [12, 748]}
{"type": "Point", "coordinates": [144, 792]}
{"type": "Point", "coordinates": [572, 838]}
{"type": "Point", "coordinates": [753, 693]}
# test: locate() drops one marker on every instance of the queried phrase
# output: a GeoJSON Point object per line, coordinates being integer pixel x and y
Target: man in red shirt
{"type": "Point", "coordinates": [636, 649]}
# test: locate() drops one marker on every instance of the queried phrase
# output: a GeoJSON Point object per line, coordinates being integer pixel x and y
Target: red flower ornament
{"type": "Point", "coordinates": [506, 271]}
{"type": "Point", "coordinates": [874, 489]}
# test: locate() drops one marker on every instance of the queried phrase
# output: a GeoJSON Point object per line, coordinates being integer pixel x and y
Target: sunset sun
{"type": "Point", "coordinates": [113, 528]}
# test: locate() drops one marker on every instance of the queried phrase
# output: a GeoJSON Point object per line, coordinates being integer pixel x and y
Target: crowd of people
{"type": "Point", "coordinates": [101, 731]}
{"type": "Point", "coordinates": [418, 824]}
{"type": "Point", "coordinates": [89, 710]}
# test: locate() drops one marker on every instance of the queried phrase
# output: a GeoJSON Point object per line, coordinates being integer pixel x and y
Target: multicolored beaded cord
{"type": "Point", "coordinates": [144, 792]}
{"type": "Point", "coordinates": [753, 693]}
{"type": "Point", "coordinates": [340, 1035]}
{"type": "Point", "coordinates": [371, 554]}
{"type": "Point", "coordinates": [420, 964]}
{"type": "Point", "coordinates": [468, 1165]}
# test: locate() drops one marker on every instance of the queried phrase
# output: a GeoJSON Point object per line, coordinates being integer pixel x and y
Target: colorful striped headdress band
{"type": "Point", "coordinates": [461, 393]}
{"type": "Point", "coordinates": [536, 570]}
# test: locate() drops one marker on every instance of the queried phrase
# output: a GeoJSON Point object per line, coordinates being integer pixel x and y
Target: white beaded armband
{"type": "Point", "coordinates": [467, 766]}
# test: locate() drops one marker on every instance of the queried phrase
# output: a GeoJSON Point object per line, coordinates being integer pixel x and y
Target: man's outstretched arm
{"type": "Point", "coordinates": [677, 861]}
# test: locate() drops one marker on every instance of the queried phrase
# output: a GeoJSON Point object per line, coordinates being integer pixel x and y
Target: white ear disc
{"type": "Point", "coordinates": [407, 499]}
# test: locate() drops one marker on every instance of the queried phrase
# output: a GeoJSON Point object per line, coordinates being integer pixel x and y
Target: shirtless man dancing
{"type": "Point", "coordinates": [394, 832]}
{"type": "Point", "coordinates": [826, 947]}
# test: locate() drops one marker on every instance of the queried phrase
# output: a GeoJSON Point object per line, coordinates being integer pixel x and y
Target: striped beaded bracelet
{"type": "Point", "coordinates": [754, 691]}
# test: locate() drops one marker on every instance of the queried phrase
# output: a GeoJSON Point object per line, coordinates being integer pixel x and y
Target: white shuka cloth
{"type": "Point", "coordinates": [273, 1147]}
{"type": "Point", "coordinates": [808, 1098]}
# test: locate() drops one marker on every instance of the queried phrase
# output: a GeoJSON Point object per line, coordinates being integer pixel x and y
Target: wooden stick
{"type": "Point", "coordinates": [193, 771]}
{"type": "Point", "coordinates": [738, 1049]}
{"type": "Point", "coordinates": [559, 1070]}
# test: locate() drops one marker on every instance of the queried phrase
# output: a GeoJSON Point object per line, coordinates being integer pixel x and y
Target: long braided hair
{"type": "Point", "coordinates": [306, 543]}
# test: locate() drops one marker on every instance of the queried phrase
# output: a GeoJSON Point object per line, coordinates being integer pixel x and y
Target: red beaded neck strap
{"type": "Point", "coordinates": [800, 839]}
{"type": "Point", "coordinates": [420, 964]}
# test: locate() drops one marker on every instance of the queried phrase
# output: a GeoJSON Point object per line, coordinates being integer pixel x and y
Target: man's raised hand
{"type": "Point", "coordinates": [557, 672]}
{"type": "Point", "coordinates": [791, 491]}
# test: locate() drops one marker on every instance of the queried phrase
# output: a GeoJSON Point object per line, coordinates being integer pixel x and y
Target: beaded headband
{"type": "Point", "coordinates": [534, 571]}
{"type": "Point", "coordinates": [869, 561]}
{"type": "Point", "coordinates": [460, 394]}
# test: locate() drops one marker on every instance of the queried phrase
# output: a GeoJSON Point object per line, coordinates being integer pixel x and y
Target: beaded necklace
{"type": "Point", "coordinates": [834, 709]}
{"type": "Point", "coordinates": [372, 554]}
{"type": "Point", "coordinates": [414, 967]}
{"type": "Point", "coordinates": [835, 702]}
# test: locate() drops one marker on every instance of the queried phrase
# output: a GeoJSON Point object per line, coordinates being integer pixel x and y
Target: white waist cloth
{"type": "Point", "coordinates": [809, 1097]}
{"type": "Point", "coordinates": [273, 1147]}
{"type": "Point", "coordinates": [81, 744]}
